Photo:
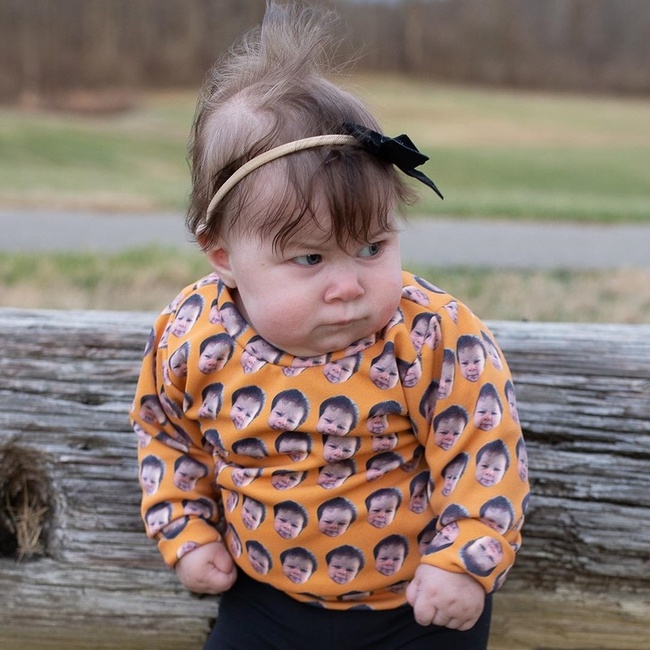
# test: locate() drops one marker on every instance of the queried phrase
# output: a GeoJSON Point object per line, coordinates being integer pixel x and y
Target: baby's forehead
{"type": "Point", "coordinates": [492, 456]}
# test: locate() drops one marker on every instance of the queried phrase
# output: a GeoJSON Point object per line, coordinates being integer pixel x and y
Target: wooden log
{"type": "Point", "coordinates": [584, 402]}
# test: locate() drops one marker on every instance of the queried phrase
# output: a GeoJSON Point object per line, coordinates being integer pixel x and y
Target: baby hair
{"type": "Point", "coordinates": [347, 551]}
{"type": "Point", "coordinates": [454, 411]}
{"type": "Point", "coordinates": [389, 407]}
{"type": "Point", "coordinates": [489, 390]}
{"type": "Point", "coordinates": [341, 403]}
{"type": "Point", "coordinates": [494, 448]}
{"type": "Point", "coordinates": [299, 552]}
{"type": "Point", "coordinates": [469, 341]}
{"type": "Point", "coordinates": [396, 539]}
{"type": "Point", "coordinates": [270, 89]}
{"type": "Point", "coordinates": [155, 462]}
{"type": "Point", "coordinates": [384, 492]}
{"type": "Point", "coordinates": [291, 506]}
{"type": "Point", "coordinates": [338, 502]}
{"type": "Point", "coordinates": [251, 392]}
{"type": "Point", "coordinates": [295, 397]}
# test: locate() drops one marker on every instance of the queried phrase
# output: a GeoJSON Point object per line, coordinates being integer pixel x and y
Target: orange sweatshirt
{"type": "Point", "coordinates": [332, 478]}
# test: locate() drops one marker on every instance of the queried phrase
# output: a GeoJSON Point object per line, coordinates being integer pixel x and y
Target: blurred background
{"type": "Point", "coordinates": [531, 112]}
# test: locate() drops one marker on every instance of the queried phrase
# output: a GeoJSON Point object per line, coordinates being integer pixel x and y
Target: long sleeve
{"type": "Point", "coordinates": [176, 468]}
{"type": "Point", "coordinates": [469, 426]}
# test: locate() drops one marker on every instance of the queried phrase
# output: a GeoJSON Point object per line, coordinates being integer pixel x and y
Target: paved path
{"type": "Point", "coordinates": [441, 242]}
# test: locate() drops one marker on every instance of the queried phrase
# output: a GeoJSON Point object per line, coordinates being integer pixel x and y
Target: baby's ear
{"type": "Point", "coordinates": [220, 261]}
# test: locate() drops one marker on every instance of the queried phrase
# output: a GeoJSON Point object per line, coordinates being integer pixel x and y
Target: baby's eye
{"type": "Point", "coordinates": [371, 250]}
{"type": "Point", "coordinates": [308, 260]}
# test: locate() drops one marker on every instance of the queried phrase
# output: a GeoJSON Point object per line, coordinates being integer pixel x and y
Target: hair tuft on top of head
{"type": "Point", "coordinates": [271, 88]}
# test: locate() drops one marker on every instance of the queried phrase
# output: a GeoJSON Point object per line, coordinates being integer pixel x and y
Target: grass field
{"type": "Point", "coordinates": [493, 153]}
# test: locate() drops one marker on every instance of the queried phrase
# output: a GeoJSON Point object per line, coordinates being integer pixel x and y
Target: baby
{"type": "Point", "coordinates": [295, 198]}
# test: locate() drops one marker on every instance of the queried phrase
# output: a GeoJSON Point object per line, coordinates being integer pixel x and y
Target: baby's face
{"type": "Point", "coordinates": [288, 524]}
{"type": "Point", "coordinates": [487, 414]}
{"type": "Point", "coordinates": [243, 411]}
{"type": "Point", "coordinates": [472, 362]}
{"type": "Point", "coordinates": [382, 511]}
{"type": "Point", "coordinates": [334, 421]}
{"type": "Point", "coordinates": [313, 297]}
{"type": "Point", "coordinates": [490, 469]}
{"type": "Point", "coordinates": [334, 521]}
{"type": "Point", "coordinates": [337, 448]}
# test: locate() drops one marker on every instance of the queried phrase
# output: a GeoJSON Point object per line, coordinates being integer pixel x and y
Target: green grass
{"type": "Point", "coordinates": [493, 153]}
{"type": "Point", "coordinates": [132, 161]}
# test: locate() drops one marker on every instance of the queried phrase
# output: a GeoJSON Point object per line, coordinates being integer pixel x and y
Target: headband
{"type": "Point", "coordinates": [399, 151]}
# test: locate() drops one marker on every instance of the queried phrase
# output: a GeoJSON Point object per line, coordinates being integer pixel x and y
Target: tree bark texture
{"type": "Point", "coordinates": [582, 578]}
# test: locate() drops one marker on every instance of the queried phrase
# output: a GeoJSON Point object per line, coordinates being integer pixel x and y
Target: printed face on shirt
{"type": "Point", "coordinates": [252, 513]}
{"type": "Point", "coordinates": [493, 354]}
{"type": "Point", "coordinates": [178, 361]}
{"type": "Point", "coordinates": [329, 295]}
{"type": "Point", "coordinates": [214, 357]}
{"type": "Point", "coordinates": [342, 568]}
{"type": "Point", "coordinates": [334, 521]}
{"type": "Point", "coordinates": [487, 414]}
{"type": "Point", "coordinates": [382, 510]}
{"type": "Point", "coordinates": [384, 442]}
{"type": "Point", "coordinates": [390, 558]}
{"type": "Point", "coordinates": [416, 295]}
{"type": "Point", "coordinates": [185, 319]}
{"type": "Point", "coordinates": [187, 475]}
{"type": "Point", "coordinates": [490, 469]}
{"type": "Point", "coordinates": [418, 333]}
{"type": "Point", "coordinates": [156, 521]}
{"type": "Point", "coordinates": [377, 424]}
{"type": "Point", "coordinates": [288, 524]}
{"type": "Point", "coordinates": [498, 519]}
{"type": "Point", "coordinates": [150, 479]}
{"type": "Point", "coordinates": [151, 411]}
{"type": "Point", "coordinates": [244, 410]}
{"type": "Point", "coordinates": [297, 450]}
{"type": "Point", "coordinates": [471, 361]}
{"type": "Point", "coordinates": [336, 448]}
{"type": "Point", "coordinates": [250, 363]}
{"type": "Point", "coordinates": [419, 498]}
{"type": "Point", "coordinates": [446, 380]}
{"type": "Point", "coordinates": [512, 404]}
{"type": "Point", "coordinates": [197, 508]}
{"type": "Point", "coordinates": [297, 569]}
{"type": "Point", "coordinates": [211, 404]}
{"type": "Point", "coordinates": [450, 478]}
{"type": "Point", "coordinates": [339, 371]}
{"type": "Point", "coordinates": [434, 334]}
{"type": "Point", "coordinates": [486, 552]}
{"type": "Point", "coordinates": [383, 373]}
{"type": "Point", "coordinates": [522, 463]}
{"type": "Point", "coordinates": [286, 480]}
{"type": "Point", "coordinates": [333, 475]}
{"type": "Point", "coordinates": [335, 421]}
{"type": "Point", "coordinates": [259, 561]}
{"type": "Point", "coordinates": [412, 375]}
{"type": "Point", "coordinates": [286, 416]}
{"type": "Point", "coordinates": [448, 431]}
{"type": "Point", "coordinates": [242, 476]}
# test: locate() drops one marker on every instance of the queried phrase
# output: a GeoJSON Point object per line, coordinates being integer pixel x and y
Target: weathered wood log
{"type": "Point", "coordinates": [582, 578]}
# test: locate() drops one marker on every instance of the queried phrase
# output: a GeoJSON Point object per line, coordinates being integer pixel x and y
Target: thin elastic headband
{"type": "Point", "coordinates": [272, 154]}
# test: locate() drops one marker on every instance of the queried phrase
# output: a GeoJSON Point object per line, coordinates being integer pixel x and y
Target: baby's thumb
{"type": "Point", "coordinates": [411, 591]}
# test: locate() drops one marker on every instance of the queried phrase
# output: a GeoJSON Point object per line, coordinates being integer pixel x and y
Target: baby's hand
{"type": "Point", "coordinates": [440, 597]}
{"type": "Point", "coordinates": [208, 569]}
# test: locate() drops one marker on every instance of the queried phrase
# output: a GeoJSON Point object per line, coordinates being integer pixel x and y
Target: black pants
{"type": "Point", "coordinates": [254, 616]}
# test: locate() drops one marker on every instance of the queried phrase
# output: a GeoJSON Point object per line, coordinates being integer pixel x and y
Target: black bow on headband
{"type": "Point", "coordinates": [399, 151]}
